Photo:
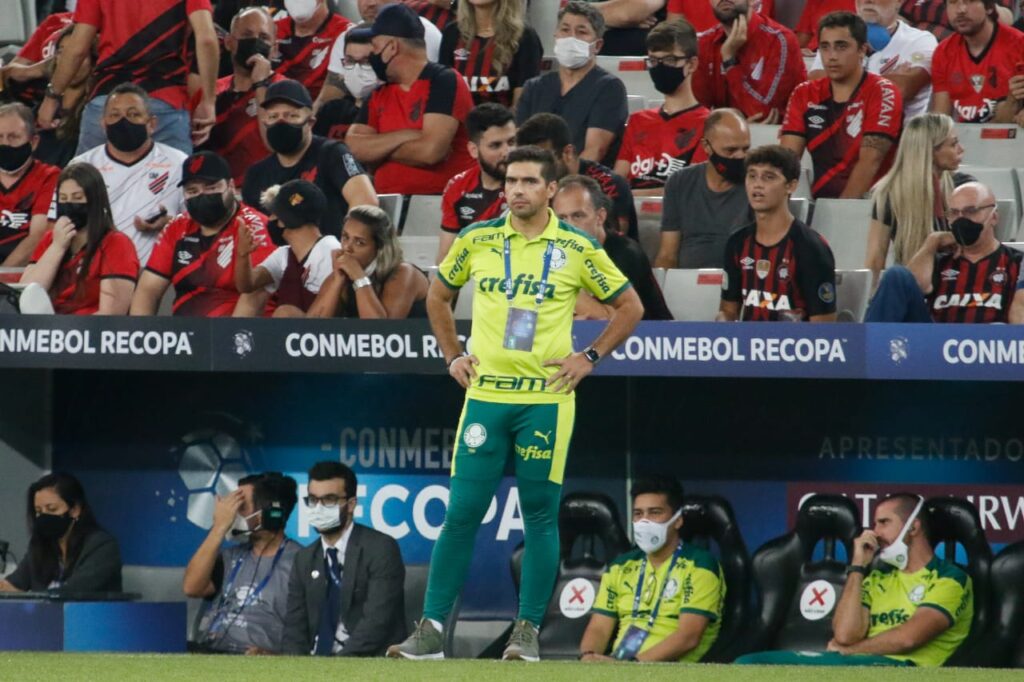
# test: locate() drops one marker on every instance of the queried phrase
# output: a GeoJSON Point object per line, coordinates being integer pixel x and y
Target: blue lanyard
{"type": "Point", "coordinates": [543, 287]}
{"type": "Point", "coordinates": [263, 583]}
{"type": "Point", "coordinates": [640, 587]}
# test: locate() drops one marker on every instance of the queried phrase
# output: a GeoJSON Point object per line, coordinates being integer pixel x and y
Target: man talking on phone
{"type": "Point", "coordinates": [901, 605]}
{"type": "Point", "coordinates": [142, 176]}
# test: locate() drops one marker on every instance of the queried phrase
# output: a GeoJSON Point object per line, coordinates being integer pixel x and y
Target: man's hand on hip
{"type": "Point", "coordinates": [572, 370]}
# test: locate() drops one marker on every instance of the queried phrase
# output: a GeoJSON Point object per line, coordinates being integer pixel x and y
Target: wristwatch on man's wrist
{"type": "Point", "coordinates": [51, 93]}
{"type": "Point", "coordinates": [863, 570]}
{"type": "Point", "coordinates": [590, 353]}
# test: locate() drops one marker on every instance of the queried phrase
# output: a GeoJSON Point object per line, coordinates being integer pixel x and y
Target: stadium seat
{"type": "Point", "coordinates": [693, 295]}
{"type": "Point", "coordinates": [464, 302]}
{"type": "Point", "coordinates": [543, 18]}
{"type": "Point", "coordinates": [648, 216]}
{"type": "Point", "coordinates": [1007, 227]}
{"type": "Point", "coordinates": [349, 10]}
{"type": "Point", "coordinates": [659, 276]}
{"type": "Point", "coordinates": [844, 224]}
{"type": "Point", "coordinates": [19, 22]}
{"type": "Point", "coordinates": [996, 145]}
{"type": "Point", "coordinates": [803, 185]}
{"type": "Point", "coordinates": [591, 535]}
{"type": "Point", "coordinates": [800, 207]}
{"type": "Point", "coordinates": [420, 251]}
{"type": "Point", "coordinates": [635, 103]}
{"type": "Point", "coordinates": [392, 205]}
{"type": "Point", "coordinates": [853, 291]}
{"type": "Point", "coordinates": [707, 520]}
{"type": "Point", "coordinates": [1015, 245]}
{"type": "Point", "coordinates": [955, 521]}
{"type": "Point", "coordinates": [1003, 644]}
{"type": "Point", "coordinates": [798, 594]}
{"type": "Point", "coordinates": [632, 72]}
{"type": "Point", "coordinates": [423, 219]}
{"type": "Point", "coordinates": [763, 133]}
{"type": "Point", "coordinates": [1004, 184]}
{"type": "Point", "coordinates": [415, 590]}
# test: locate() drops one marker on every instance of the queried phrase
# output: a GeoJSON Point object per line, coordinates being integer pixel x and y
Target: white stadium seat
{"type": "Point", "coordinates": [18, 23]}
{"type": "Point", "coordinates": [693, 295]}
{"type": "Point", "coordinates": [800, 207]}
{"type": "Point", "coordinates": [648, 215]}
{"type": "Point", "coordinates": [392, 205]}
{"type": "Point", "coordinates": [635, 103]}
{"type": "Point", "coordinates": [1015, 245]}
{"type": "Point", "coordinates": [543, 18]}
{"type": "Point", "coordinates": [659, 276]}
{"type": "Point", "coordinates": [996, 145]}
{"type": "Point", "coordinates": [1004, 184]}
{"type": "Point", "coordinates": [420, 251]}
{"type": "Point", "coordinates": [631, 71]}
{"type": "Point", "coordinates": [844, 224]}
{"type": "Point", "coordinates": [1007, 228]}
{"type": "Point", "coordinates": [853, 291]}
{"type": "Point", "coordinates": [763, 133]}
{"type": "Point", "coordinates": [424, 216]}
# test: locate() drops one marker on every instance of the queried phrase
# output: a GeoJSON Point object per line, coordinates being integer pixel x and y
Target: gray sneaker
{"type": "Point", "coordinates": [522, 643]}
{"type": "Point", "coordinates": [425, 643]}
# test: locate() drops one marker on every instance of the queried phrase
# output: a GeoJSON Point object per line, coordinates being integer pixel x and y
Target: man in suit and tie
{"type": "Point", "coordinates": [346, 592]}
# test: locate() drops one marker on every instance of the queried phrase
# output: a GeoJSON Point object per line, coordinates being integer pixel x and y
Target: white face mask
{"type": "Point", "coordinates": [897, 553]}
{"type": "Point", "coordinates": [650, 536]}
{"type": "Point", "coordinates": [572, 53]}
{"type": "Point", "coordinates": [301, 10]}
{"type": "Point", "coordinates": [241, 525]}
{"type": "Point", "coordinates": [325, 518]}
{"type": "Point", "coordinates": [360, 81]}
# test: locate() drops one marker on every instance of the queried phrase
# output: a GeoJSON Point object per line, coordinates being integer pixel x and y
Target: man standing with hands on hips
{"type": "Point", "coordinates": [528, 268]}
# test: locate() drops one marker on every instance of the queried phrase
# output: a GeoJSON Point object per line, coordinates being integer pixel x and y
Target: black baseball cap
{"type": "Point", "coordinates": [205, 166]}
{"type": "Point", "coordinates": [395, 20]}
{"type": "Point", "coordinates": [298, 203]}
{"type": "Point", "coordinates": [290, 91]}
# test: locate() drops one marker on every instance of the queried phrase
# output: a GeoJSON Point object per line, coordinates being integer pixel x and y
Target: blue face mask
{"type": "Point", "coordinates": [878, 37]}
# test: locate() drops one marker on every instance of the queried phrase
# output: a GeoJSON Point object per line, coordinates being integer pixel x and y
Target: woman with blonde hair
{"type": "Point", "coordinates": [910, 200]}
{"type": "Point", "coordinates": [491, 46]}
{"type": "Point", "coordinates": [371, 280]}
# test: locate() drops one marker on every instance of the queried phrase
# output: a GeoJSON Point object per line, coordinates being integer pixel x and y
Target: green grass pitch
{"type": "Point", "coordinates": [105, 667]}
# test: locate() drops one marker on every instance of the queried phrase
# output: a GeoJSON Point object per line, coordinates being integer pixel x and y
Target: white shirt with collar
{"type": "Point", "coordinates": [341, 634]}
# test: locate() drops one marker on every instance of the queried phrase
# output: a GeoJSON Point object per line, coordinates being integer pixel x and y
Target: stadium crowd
{"type": "Point", "coordinates": [240, 159]}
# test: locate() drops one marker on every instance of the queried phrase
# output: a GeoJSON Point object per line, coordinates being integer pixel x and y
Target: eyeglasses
{"type": "Point", "coordinates": [326, 500]}
{"type": "Point", "coordinates": [969, 212]}
{"type": "Point", "coordinates": [672, 61]}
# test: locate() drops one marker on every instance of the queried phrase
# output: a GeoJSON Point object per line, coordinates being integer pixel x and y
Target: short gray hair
{"type": "Point", "coordinates": [588, 12]}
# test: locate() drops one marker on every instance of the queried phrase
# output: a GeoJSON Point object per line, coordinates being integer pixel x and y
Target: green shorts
{"type": "Point", "coordinates": [537, 435]}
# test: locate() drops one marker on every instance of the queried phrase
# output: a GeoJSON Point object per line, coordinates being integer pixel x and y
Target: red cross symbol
{"type": "Point", "coordinates": [819, 597]}
{"type": "Point", "coordinates": [577, 594]}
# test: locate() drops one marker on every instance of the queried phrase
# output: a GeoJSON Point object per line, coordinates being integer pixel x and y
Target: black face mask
{"type": "Point", "coordinates": [966, 231]}
{"type": "Point", "coordinates": [14, 158]}
{"type": "Point", "coordinates": [247, 47]}
{"type": "Point", "coordinates": [127, 136]}
{"type": "Point", "coordinates": [667, 79]}
{"type": "Point", "coordinates": [379, 66]}
{"type": "Point", "coordinates": [732, 170]}
{"type": "Point", "coordinates": [51, 526]}
{"type": "Point", "coordinates": [207, 209]}
{"type": "Point", "coordinates": [76, 212]}
{"type": "Point", "coordinates": [285, 138]}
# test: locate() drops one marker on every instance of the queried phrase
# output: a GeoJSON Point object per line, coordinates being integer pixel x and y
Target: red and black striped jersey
{"type": "Point", "coordinates": [790, 280]}
{"type": "Point", "coordinates": [305, 59]}
{"type": "Point", "coordinates": [976, 85]}
{"type": "Point", "coordinates": [236, 135]}
{"type": "Point", "coordinates": [145, 43]}
{"type": "Point", "coordinates": [438, 16]}
{"type": "Point", "coordinates": [28, 197]}
{"type": "Point", "coordinates": [201, 268]}
{"type": "Point", "coordinates": [834, 130]}
{"type": "Point", "coordinates": [930, 15]}
{"type": "Point", "coordinates": [467, 201]}
{"type": "Point", "coordinates": [963, 291]}
{"type": "Point", "coordinates": [657, 144]}
{"type": "Point", "coordinates": [475, 62]}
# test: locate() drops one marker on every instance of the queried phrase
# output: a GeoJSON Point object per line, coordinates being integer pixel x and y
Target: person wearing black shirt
{"type": "Point", "coordinates": [286, 118]}
{"type": "Point", "coordinates": [580, 202]}
{"type": "Point", "coordinates": [68, 550]}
